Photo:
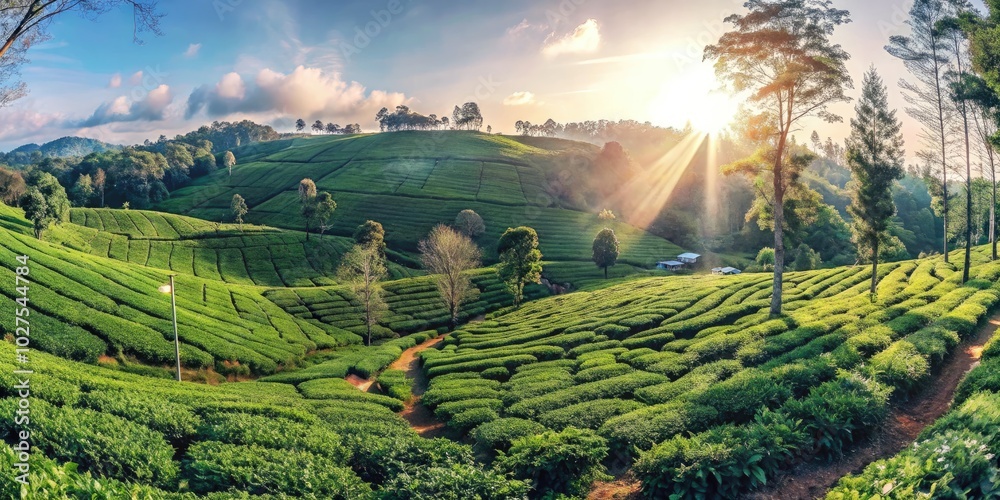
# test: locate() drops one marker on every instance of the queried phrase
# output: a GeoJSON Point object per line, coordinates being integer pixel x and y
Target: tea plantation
{"type": "Point", "coordinates": [689, 378]}
{"type": "Point", "coordinates": [136, 437]}
{"type": "Point", "coordinates": [683, 381]}
{"type": "Point", "coordinates": [91, 306]}
{"type": "Point", "coordinates": [254, 256]}
{"type": "Point", "coordinates": [411, 181]}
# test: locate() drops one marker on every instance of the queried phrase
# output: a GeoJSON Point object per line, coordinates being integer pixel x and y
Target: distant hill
{"type": "Point", "coordinates": [64, 147]}
{"type": "Point", "coordinates": [411, 181]}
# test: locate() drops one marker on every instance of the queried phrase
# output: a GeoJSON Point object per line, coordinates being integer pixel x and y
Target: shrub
{"type": "Point", "coordinates": [175, 421]}
{"type": "Point", "coordinates": [737, 399]}
{"type": "Point", "coordinates": [258, 471]}
{"type": "Point", "coordinates": [900, 366]}
{"type": "Point", "coordinates": [471, 418]}
{"type": "Point", "coordinates": [723, 462]}
{"type": "Point", "coordinates": [556, 463]}
{"type": "Point", "coordinates": [955, 463]}
{"type": "Point", "coordinates": [101, 443]}
{"type": "Point", "coordinates": [396, 384]}
{"type": "Point", "coordinates": [589, 414]}
{"type": "Point", "coordinates": [840, 412]}
{"type": "Point", "coordinates": [498, 434]}
{"type": "Point", "coordinates": [448, 410]}
{"type": "Point", "coordinates": [457, 481]}
{"type": "Point", "coordinates": [274, 433]}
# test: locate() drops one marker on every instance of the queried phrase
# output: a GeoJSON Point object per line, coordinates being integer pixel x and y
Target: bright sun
{"type": "Point", "coordinates": [694, 98]}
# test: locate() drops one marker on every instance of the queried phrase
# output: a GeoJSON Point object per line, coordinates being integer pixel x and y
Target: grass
{"type": "Point", "coordinates": [411, 181]}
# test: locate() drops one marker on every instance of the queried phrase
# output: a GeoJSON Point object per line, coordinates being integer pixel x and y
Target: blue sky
{"type": "Point", "coordinates": [275, 61]}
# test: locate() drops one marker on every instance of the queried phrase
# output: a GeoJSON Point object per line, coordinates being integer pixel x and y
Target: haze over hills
{"type": "Point", "coordinates": [64, 147]}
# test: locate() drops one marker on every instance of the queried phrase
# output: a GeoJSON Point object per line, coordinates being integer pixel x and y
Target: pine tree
{"type": "Point", "coordinates": [875, 157]}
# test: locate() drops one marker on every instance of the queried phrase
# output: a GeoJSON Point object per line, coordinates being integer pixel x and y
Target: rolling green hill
{"type": "Point", "coordinates": [257, 255]}
{"type": "Point", "coordinates": [410, 181]}
{"type": "Point", "coordinates": [97, 300]}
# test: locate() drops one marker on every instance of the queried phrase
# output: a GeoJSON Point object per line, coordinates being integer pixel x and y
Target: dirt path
{"type": "Point", "coordinates": [361, 383]}
{"type": "Point", "coordinates": [812, 480]}
{"type": "Point", "coordinates": [420, 418]}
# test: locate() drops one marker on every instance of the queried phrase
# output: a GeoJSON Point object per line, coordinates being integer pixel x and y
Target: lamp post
{"type": "Point", "coordinates": [173, 304]}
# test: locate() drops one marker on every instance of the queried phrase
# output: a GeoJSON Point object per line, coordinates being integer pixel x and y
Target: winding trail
{"type": "Point", "coordinates": [813, 479]}
{"type": "Point", "coordinates": [420, 418]}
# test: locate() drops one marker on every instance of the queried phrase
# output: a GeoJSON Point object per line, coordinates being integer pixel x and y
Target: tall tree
{"type": "Point", "coordinates": [239, 208]}
{"type": "Point", "coordinates": [83, 190]}
{"type": "Point", "coordinates": [875, 157]}
{"type": "Point", "coordinates": [450, 254]}
{"type": "Point", "coordinates": [983, 33]}
{"type": "Point", "coordinates": [949, 28]}
{"type": "Point", "coordinates": [23, 23]}
{"type": "Point", "coordinates": [228, 161]}
{"type": "Point", "coordinates": [362, 268]}
{"type": "Point", "coordinates": [371, 234]}
{"type": "Point", "coordinates": [925, 53]}
{"type": "Point", "coordinates": [780, 52]}
{"type": "Point", "coordinates": [307, 198]}
{"type": "Point", "coordinates": [12, 186]}
{"type": "Point", "coordinates": [324, 208]}
{"type": "Point", "coordinates": [100, 180]}
{"type": "Point", "coordinates": [318, 127]}
{"type": "Point", "coordinates": [520, 260]}
{"type": "Point", "coordinates": [986, 116]}
{"type": "Point", "coordinates": [45, 203]}
{"type": "Point", "coordinates": [300, 125]}
{"type": "Point", "coordinates": [605, 250]}
{"type": "Point", "coordinates": [470, 223]}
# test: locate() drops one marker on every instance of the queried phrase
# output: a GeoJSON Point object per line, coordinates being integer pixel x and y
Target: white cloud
{"type": "Point", "coordinates": [136, 78]}
{"type": "Point", "coordinates": [306, 92]}
{"type": "Point", "coordinates": [231, 87]}
{"type": "Point", "coordinates": [585, 38]}
{"type": "Point", "coordinates": [116, 81]}
{"type": "Point", "coordinates": [152, 107]}
{"type": "Point", "coordinates": [18, 124]}
{"type": "Point", "coordinates": [519, 99]}
{"type": "Point", "coordinates": [192, 50]}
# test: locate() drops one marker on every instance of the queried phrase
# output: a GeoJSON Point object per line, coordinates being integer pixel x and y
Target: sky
{"type": "Point", "coordinates": [275, 61]}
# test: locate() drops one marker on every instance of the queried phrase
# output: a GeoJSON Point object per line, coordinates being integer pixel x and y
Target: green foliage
{"type": "Point", "coordinates": [104, 444]}
{"type": "Point", "coordinates": [258, 470]}
{"type": "Point", "coordinates": [554, 463]}
{"type": "Point", "coordinates": [605, 249]}
{"type": "Point", "coordinates": [499, 434]}
{"type": "Point", "coordinates": [520, 260]}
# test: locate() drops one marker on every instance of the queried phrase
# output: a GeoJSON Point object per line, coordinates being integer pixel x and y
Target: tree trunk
{"type": "Point", "coordinates": [993, 218]}
{"type": "Point", "coordinates": [968, 228]}
{"type": "Point", "coordinates": [779, 229]}
{"type": "Point", "coordinates": [874, 268]}
{"type": "Point", "coordinates": [605, 272]}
